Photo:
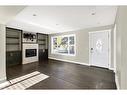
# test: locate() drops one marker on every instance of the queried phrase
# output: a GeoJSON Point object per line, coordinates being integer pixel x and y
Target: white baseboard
{"type": "Point", "coordinates": [117, 81]}
{"type": "Point", "coordinates": [4, 84]}
{"type": "Point", "coordinates": [3, 79]}
{"type": "Point", "coordinates": [69, 61]}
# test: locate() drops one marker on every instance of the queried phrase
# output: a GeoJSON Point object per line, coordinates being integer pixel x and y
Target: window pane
{"type": "Point", "coordinates": [71, 40]}
{"type": "Point", "coordinates": [63, 45]}
{"type": "Point", "coordinates": [71, 50]}
{"type": "Point", "coordinates": [54, 43]}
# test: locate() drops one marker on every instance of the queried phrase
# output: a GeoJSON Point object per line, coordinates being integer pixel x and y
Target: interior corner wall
{"type": "Point", "coordinates": [82, 45]}
{"type": "Point", "coordinates": [2, 53]}
{"type": "Point", "coordinates": [121, 47]}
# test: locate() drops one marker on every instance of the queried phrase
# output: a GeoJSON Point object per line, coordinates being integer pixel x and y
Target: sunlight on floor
{"type": "Point", "coordinates": [24, 82]}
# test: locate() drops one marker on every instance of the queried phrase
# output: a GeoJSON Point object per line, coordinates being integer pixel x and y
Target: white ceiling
{"type": "Point", "coordinates": [56, 19]}
{"type": "Point", "coordinates": [9, 12]}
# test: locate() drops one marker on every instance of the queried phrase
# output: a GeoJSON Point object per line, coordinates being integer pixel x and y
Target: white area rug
{"type": "Point", "coordinates": [25, 81]}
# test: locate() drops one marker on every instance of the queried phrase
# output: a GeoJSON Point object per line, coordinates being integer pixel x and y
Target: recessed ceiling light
{"type": "Point", "coordinates": [93, 13]}
{"type": "Point", "coordinates": [57, 24]}
{"type": "Point", "coordinates": [34, 15]}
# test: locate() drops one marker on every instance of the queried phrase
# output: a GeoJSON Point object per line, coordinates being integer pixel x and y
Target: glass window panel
{"type": "Point", "coordinates": [63, 44]}
{"type": "Point", "coordinates": [54, 41]}
{"type": "Point", "coordinates": [71, 50]}
{"type": "Point", "coordinates": [71, 40]}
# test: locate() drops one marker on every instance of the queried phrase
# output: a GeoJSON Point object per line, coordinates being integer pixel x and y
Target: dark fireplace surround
{"type": "Point", "coordinates": [30, 52]}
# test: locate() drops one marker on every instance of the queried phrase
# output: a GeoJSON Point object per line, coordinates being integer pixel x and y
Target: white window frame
{"type": "Point", "coordinates": [52, 52]}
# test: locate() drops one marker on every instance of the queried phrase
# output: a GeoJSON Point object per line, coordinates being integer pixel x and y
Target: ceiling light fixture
{"type": "Point", "coordinates": [93, 13]}
{"type": "Point", "coordinates": [34, 15]}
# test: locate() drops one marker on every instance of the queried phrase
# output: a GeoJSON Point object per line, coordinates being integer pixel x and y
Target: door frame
{"type": "Point", "coordinates": [109, 41]}
{"type": "Point", "coordinates": [114, 31]}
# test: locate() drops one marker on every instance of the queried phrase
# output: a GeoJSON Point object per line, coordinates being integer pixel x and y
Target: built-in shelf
{"type": "Point", "coordinates": [12, 43]}
{"type": "Point", "coordinates": [13, 47]}
{"type": "Point", "coordinates": [12, 37]}
{"type": "Point", "coordinates": [42, 44]}
{"type": "Point", "coordinates": [43, 51]}
{"type": "Point", "coordinates": [41, 40]}
{"type": "Point", "coordinates": [29, 42]}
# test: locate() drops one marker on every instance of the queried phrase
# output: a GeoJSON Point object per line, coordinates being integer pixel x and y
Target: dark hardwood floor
{"type": "Point", "coordinates": [65, 75]}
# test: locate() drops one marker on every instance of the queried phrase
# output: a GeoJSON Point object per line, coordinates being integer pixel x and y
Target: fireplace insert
{"type": "Point", "coordinates": [31, 52]}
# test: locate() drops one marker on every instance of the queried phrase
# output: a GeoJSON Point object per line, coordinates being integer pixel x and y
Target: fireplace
{"type": "Point", "coordinates": [30, 52]}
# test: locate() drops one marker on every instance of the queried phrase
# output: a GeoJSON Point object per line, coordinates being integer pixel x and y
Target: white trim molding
{"type": "Point", "coordinates": [110, 68]}
{"type": "Point", "coordinates": [117, 82]}
{"type": "Point", "coordinates": [81, 63]}
{"type": "Point", "coordinates": [4, 84]}
{"type": "Point", "coordinates": [3, 79]}
{"type": "Point", "coordinates": [114, 48]}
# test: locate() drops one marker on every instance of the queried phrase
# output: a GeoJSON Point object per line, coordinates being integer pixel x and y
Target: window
{"type": "Point", "coordinates": [63, 44]}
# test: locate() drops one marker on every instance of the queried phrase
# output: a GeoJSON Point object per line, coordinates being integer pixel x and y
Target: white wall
{"type": "Point", "coordinates": [121, 47]}
{"type": "Point", "coordinates": [2, 53]}
{"type": "Point", "coordinates": [82, 45]}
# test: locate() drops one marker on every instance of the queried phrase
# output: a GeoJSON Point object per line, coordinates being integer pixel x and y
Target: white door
{"type": "Point", "coordinates": [99, 45]}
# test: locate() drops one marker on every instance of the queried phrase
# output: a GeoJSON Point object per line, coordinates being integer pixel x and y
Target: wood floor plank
{"type": "Point", "coordinates": [64, 75]}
